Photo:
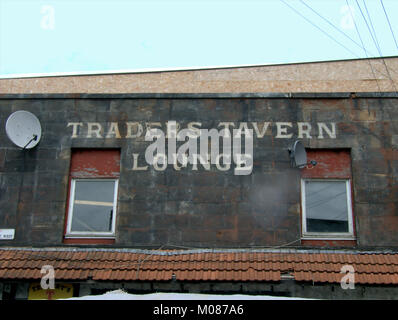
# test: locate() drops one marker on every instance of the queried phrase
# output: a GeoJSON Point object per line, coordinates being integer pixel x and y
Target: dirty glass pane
{"type": "Point", "coordinates": [95, 190]}
{"type": "Point", "coordinates": [326, 206]}
{"type": "Point", "coordinates": [93, 206]}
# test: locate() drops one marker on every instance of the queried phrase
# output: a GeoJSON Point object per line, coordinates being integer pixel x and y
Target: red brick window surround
{"type": "Point", "coordinates": [326, 197]}
{"type": "Point", "coordinates": [92, 196]}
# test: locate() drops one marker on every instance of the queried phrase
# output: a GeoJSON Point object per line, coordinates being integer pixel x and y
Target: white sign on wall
{"type": "Point", "coordinates": [181, 153]}
{"type": "Point", "coordinates": [7, 234]}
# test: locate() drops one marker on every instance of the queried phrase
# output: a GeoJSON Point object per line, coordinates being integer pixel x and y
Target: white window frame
{"type": "Point", "coordinates": [328, 235]}
{"type": "Point", "coordinates": [89, 234]}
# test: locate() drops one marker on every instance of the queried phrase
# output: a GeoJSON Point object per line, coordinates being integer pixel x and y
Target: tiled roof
{"type": "Point", "coordinates": [161, 265]}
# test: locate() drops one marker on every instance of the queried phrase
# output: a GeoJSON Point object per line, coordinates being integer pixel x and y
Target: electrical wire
{"type": "Point", "coordinates": [363, 46]}
{"type": "Point", "coordinates": [371, 34]}
{"type": "Point", "coordinates": [384, 63]}
{"type": "Point", "coordinates": [330, 23]}
{"type": "Point", "coordinates": [356, 28]}
{"type": "Point", "coordinates": [331, 37]}
{"type": "Point", "coordinates": [388, 20]}
{"type": "Point", "coordinates": [139, 263]}
{"type": "Point", "coordinates": [376, 42]}
{"type": "Point", "coordinates": [383, 60]}
{"type": "Point", "coordinates": [371, 24]}
{"type": "Point", "coordinates": [320, 29]}
{"type": "Point", "coordinates": [348, 37]}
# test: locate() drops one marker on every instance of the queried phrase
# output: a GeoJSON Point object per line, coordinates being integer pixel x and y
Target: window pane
{"type": "Point", "coordinates": [91, 218]}
{"type": "Point", "coordinates": [95, 190]}
{"type": "Point", "coordinates": [93, 205]}
{"type": "Point", "coordinates": [326, 206]}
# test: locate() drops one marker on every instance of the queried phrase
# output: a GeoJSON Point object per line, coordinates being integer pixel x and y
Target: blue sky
{"type": "Point", "coordinates": [99, 35]}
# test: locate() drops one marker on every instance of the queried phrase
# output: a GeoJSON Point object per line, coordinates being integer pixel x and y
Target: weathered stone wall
{"type": "Point", "coordinates": [201, 208]}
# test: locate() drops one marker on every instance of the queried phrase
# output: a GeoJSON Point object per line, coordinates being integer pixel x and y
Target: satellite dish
{"type": "Point", "coordinates": [298, 156]}
{"type": "Point", "coordinates": [23, 129]}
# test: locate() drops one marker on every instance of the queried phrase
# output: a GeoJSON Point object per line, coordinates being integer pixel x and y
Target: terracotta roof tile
{"type": "Point", "coordinates": [161, 275]}
{"type": "Point", "coordinates": [199, 266]}
{"type": "Point", "coordinates": [393, 259]}
{"type": "Point", "coordinates": [83, 255]}
{"type": "Point", "coordinates": [181, 275]}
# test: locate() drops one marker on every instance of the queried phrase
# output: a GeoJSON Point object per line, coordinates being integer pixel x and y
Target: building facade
{"type": "Point", "coordinates": [198, 192]}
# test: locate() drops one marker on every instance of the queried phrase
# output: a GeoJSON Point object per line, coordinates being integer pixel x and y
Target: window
{"type": "Point", "coordinates": [92, 207]}
{"type": "Point", "coordinates": [326, 196]}
{"type": "Point", "coordinates": [92, 204]}
{"type": "Point", "coordinates": [326, 207]}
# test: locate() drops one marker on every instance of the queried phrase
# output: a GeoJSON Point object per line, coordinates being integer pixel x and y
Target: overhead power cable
{"type": "Point", "coordinates": [384, 63]}
{"type": "Point", "coordinates": [330, 23]}
{"type": "Point", "coordinates": [376, 42]}
{"type": "Point", "coordinates": [331, 37]}
{"type": "Point", "coordinates": [363, 46]}
{"type": "Point", "coordinates": [388, 20]}
{"type": "Point", "coordinates": [320, 29]}
{"type": "Point", "coordinates": [348, 37]}
{"type": "Point", "coordinates": [371, 24]}
{"type": "Point", "coordinates": [356, 28]}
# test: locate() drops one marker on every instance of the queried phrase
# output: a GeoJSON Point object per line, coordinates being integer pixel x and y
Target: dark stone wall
{"type": "Point", "coordinates": [200, 208]}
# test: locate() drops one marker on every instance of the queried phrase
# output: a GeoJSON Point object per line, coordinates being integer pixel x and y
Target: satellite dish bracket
{"type": "Point", "coordinates": [297, 152]}
{"type": "Point", "coordinates": [33, 139]}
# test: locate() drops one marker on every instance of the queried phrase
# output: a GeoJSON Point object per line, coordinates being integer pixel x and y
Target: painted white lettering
{"type": "Point", "coordinates": [113, 131]}
{"type": "Point", "coordinates": [243, 161]}
{"type": "Point", "coordinates": [226, 126]}
{"type": "Point", "coordinates": [194, 131]}
{"type": "Point", "coordinates": [160, 159]}
{"type": "Point", "coordinates": [75, 126]}
{"type": "Point", "coordinates": [204, 160]}
{"type": "Point", "coordinates": [304, 128]}
{"type": "Point", "coordinates": [182, 159]}
{"type": "Point", "coordinates": [152, 125]}
{"type": "Point", "coordinates": [135, 163]}
{"type": "Point", "coordinates": [281, 128]}
{"type": "Point", "coordinates": [331, 132]}
{"type": "Point", "coordinates": [94, 128]}
{"type": "Point", "coordinates": [263, 131]}
{"type": "Point", "coordinates": [131, 126]}
{"type": "Point", "coordinates": [240, 131]}
{"type": "Point", "coordinates": [227, 162]}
